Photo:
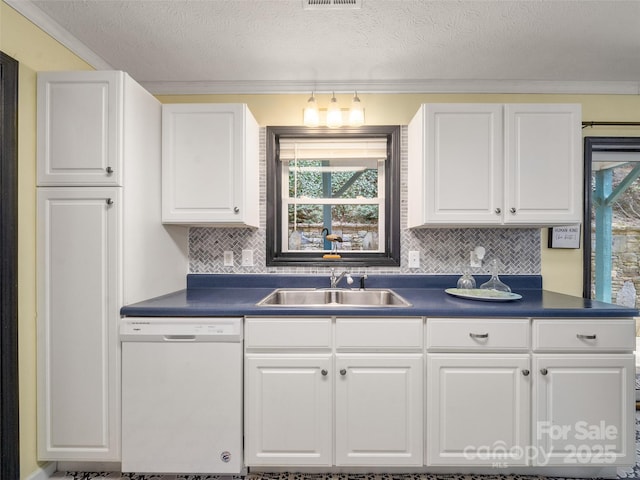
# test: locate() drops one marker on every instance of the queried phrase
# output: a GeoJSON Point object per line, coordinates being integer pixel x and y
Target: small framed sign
{"type": "Point", "coordinates": [565, 237]}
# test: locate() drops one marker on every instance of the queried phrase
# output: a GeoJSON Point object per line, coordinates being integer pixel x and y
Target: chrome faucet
{"type": "Point", "coordinates": [336, 279]}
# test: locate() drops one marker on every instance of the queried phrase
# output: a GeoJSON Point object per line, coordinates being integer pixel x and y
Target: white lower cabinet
{"type": "Point", "coordinates": [508, 392]}
{"type": "Point", "coordinates": [542, 392]}
{"type": "Point", "coordinates": [584, 410]}
{"type": "Point", "coordinates": [584, 397]}
{"type": "Point", "coordinates": [379, 409]}
{"type": "Point", "coordinates": [478, 391]}
{"type": "Point", "coordinates": [326, 391]}
{"type": "Point", "coordinates": [479, 409]}
{"type": "Point", "coordinates": [288, 410]}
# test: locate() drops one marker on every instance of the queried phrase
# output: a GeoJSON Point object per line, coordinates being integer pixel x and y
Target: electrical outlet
{"type": "Point", "coordinates": [414, 259]}
{"type": "Point", "coordinates": [228, 258]}
{"type": "Point", "coordinates": [247, 258]}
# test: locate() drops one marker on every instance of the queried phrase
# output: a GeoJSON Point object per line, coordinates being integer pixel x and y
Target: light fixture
{"type": "Point", "coordinates": [334, 114]}
{"type": "Point", "coordinates": [311, 114]}
{"type": "Point", "coordinates": [356, 114]}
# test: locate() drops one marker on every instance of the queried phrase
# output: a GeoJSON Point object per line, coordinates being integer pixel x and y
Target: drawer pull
{"type": "Point", "coordinates": [478, 335]}
{"type": "Point", "coordinates": [525, 372]}
{"type": "Point", "coordinates": [544, 371]}
{"type": "Point", "coordinates": [179, 338]}
{"type": "Point", "coordinates": [586, 337]}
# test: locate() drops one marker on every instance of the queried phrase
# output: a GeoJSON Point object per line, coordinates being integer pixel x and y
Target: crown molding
{"type": "Point", "coordinates": [29, 10]}
{"type": "Point", "coordinates": [43, 21]}
{"type": "Point", "coordinates": [393, 86]}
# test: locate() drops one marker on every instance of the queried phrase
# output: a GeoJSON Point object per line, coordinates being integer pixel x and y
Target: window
{"type": "Point", "coordinates": [339, 183]}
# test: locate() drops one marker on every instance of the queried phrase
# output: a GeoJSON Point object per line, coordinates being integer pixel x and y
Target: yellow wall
{"type": "Point", "coordinates": [36, 51]}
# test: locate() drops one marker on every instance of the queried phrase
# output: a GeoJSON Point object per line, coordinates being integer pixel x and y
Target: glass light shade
{"type": "Point", "coordinates": [334, 115]}
{"type": "Point", "coordinates": [356, 114]}
{"type": "Point", "coordinates": [311, 114]}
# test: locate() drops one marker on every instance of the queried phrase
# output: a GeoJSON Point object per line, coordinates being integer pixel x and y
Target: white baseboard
{"type": "Point", "coordinates": [44, 472]}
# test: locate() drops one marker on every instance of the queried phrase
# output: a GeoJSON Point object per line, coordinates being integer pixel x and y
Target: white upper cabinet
{"type": "Point", "coordinates": [79, 128]}
{"type": "Point", "coordinates": [543, 164]}
{"type": "Point", "coordinates": [495, 164]}
{"type": "Point", "coordinates": [210, 165]}
{"type": "Point", "coordinates": [455, 164]}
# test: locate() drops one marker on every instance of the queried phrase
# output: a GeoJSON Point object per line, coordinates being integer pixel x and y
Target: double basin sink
{"type": "Point", "coordinates": [315, 297]}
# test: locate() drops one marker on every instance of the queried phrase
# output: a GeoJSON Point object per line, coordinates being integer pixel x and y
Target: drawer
{"type": "Point", "coordinates": [476, 334]}
{"type": "Point", "coordinates": [377, 334]}
{"type": "Point", "coordinates": [601, 334]}
{"type": "Point", "coordinates": [282, 332]}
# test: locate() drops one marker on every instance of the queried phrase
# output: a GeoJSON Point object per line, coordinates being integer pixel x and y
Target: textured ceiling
{"type": "Point", "coordinates": [269, 45]}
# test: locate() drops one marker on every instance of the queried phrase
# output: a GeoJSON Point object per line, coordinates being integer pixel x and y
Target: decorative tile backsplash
{"type": "Point", "coordinates": [442, 250]}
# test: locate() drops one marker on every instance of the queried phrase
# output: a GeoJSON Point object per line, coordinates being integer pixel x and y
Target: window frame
{"type": "Point", "coordinates": [390, 256]}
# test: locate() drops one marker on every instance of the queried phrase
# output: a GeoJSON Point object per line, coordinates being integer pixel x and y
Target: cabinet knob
{"type": "Point", "coordinates": [544, 371]}
{"type": "Point", "coordinates": [343, 372]}
{"type": "Point", "coordinates": [109, 170]}
{"type": "Point", "coordinates": [525, 372]}
{"type": "Point", "coordinates": [324, 372]}
{"type": "Point", "coordinates": [512, 210]}
{"type": "Point", "coordinates": [109, 201]}
{"type": "Point", "coordinates": [236, 210]}
{"type": "Point", "coordinates": [498, 211]}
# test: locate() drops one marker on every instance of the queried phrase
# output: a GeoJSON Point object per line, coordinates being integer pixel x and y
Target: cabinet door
{"type": "Point", "coordinates": [583, 410]}
{"type": "Point", "coordinates": [378, 413]}
{"type": "Point", "coordinates": [78, 350]}
{"type": "Point", "coordinates": [288, 410]}
{"type": "Point", "coordinates": [461, 178]}
{"type": "Point", "coordinates": [79, 128]}
{"type": "Point", "coordinates": [478, 409]}
{"type": "Point", "coordinates": [208, 151]}
{"type": "Point", "coordinates": [543, 165]}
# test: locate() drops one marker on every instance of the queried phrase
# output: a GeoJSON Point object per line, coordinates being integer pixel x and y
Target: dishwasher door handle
{"type": "Point", "coordinates": [179, 338]}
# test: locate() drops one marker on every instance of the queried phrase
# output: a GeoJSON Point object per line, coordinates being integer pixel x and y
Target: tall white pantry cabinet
{"type": "Point", "coordinates": [100, 245]}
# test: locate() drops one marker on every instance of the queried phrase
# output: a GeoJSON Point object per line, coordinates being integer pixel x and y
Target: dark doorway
{"type": "Point", "coordinates": [9, 434]}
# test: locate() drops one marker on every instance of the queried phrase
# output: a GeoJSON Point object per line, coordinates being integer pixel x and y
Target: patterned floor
{"type": "Point", "coordinates": [626, 473]}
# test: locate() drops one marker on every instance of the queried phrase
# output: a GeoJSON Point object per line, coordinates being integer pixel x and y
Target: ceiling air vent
{"type": "Point", "coordinates": [331, 4]}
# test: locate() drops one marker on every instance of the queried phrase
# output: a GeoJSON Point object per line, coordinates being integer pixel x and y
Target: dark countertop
{"type": "Point", "coordinates": [237, 295]}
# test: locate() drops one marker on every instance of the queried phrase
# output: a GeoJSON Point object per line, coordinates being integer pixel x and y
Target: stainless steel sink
{"type": "Point", "coordinates": [311, 297]}
{"type": "Point", "coordinates": [372, 297]}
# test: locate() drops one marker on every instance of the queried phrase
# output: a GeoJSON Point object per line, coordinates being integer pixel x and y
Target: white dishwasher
{"type": "Point", "coordinates": [181, 395]}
